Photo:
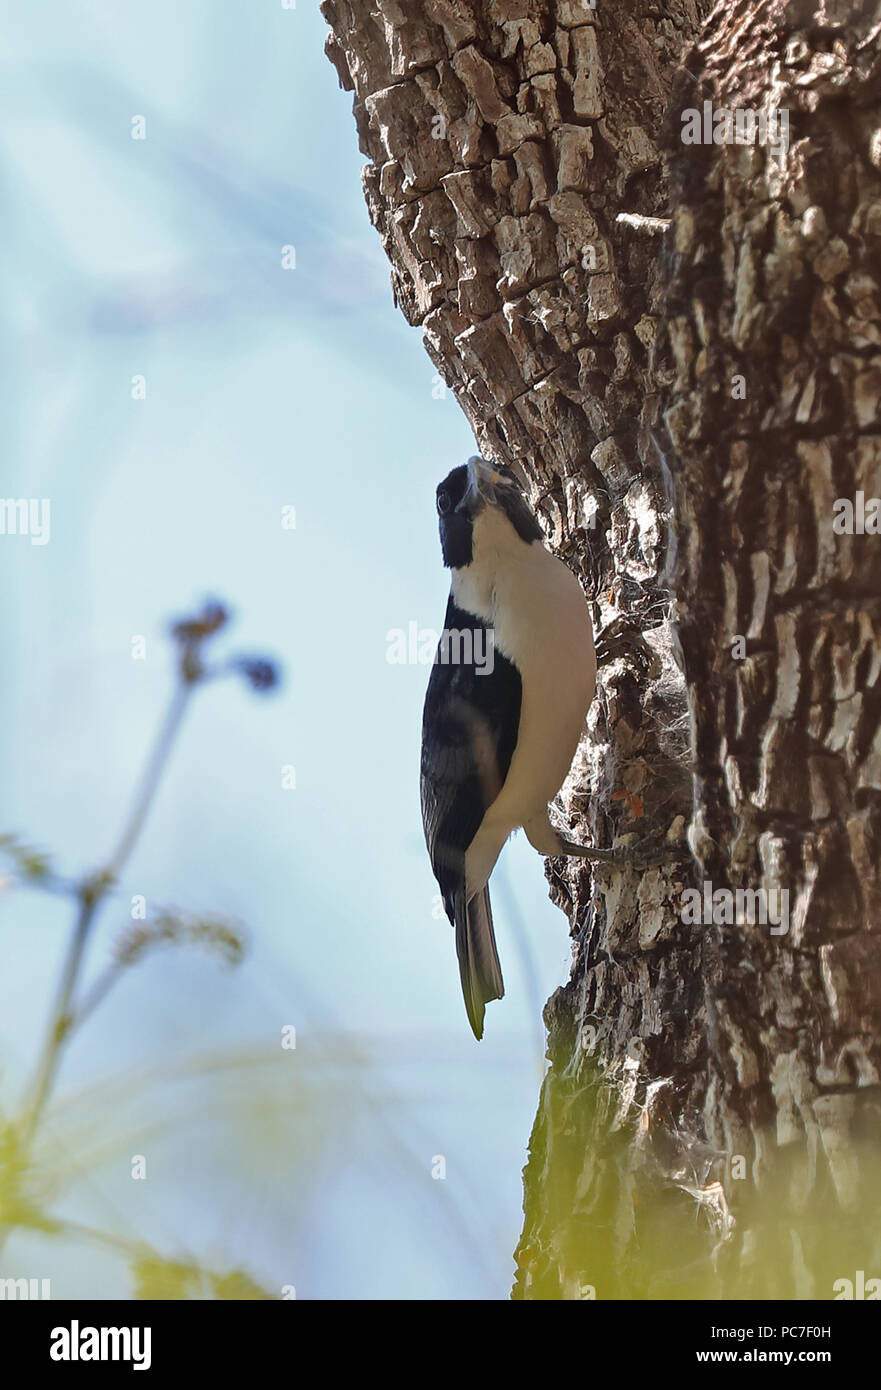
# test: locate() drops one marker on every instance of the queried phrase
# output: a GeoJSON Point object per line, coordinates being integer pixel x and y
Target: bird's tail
{"type": "Point", "coordinates": [479, 968]}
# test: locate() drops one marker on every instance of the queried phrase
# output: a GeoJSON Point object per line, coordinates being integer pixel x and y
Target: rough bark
{"type": "Point", "coordinates": [592, 289]}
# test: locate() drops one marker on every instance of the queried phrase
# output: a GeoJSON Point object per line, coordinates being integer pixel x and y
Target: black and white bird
{"type": "Point", "coordinates": [504, 712]}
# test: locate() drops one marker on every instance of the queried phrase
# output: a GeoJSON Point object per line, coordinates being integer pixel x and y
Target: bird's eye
{"type": "Point", "coordinates": [443, 503]}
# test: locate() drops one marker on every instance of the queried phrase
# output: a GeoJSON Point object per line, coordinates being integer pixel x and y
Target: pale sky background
{"type": "Point", "coordinates": [265, 388]}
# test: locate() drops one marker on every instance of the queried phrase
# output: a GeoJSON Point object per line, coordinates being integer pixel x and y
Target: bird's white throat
{"type": "Point", "coordinates": [512, 585]}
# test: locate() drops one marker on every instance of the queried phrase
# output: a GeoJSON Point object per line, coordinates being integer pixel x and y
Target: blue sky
{"type": "Point", "coordinates": [265, 388]}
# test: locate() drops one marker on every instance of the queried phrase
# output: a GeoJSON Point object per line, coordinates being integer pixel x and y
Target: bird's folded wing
{"type": "Point", "coordinates": [469, 732]}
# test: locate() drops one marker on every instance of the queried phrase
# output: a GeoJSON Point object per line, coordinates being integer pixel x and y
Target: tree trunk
{"type": "Point", "coordinates": [678, 348]}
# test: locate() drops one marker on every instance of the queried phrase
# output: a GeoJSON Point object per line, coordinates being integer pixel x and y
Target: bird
{"type": "Point", "coordinates": [504, 711]}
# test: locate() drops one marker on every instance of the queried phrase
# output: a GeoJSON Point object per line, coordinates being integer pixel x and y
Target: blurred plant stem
{"type": "Point", "coordinates": [190, 635]}
{"type": "Point", "coordinates": [91, 895]}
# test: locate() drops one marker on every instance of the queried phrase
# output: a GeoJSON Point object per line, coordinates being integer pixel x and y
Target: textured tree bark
{"type": "Point", "coordinates": [678, 348]}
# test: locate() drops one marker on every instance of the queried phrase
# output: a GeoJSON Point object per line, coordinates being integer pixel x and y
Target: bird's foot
{"type": "Point", "coordinates": [639, 856]}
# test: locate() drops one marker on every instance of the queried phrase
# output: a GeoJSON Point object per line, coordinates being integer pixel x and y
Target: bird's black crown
{"type": "Point", "coordinates": [464, 493]}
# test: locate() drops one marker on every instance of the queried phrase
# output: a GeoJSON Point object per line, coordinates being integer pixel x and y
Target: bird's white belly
{"type": "Point", "coordinates": [557, 692]}
{"type": "Point", "coordinates": [540, 621]}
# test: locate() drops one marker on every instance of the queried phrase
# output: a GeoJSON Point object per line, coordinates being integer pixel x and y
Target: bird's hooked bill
{"type": "Point", "coordinates": [483, 477]}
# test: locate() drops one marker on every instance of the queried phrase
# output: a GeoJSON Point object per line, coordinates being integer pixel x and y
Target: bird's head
{"type": "Point", "coordinates": [465, 493]}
